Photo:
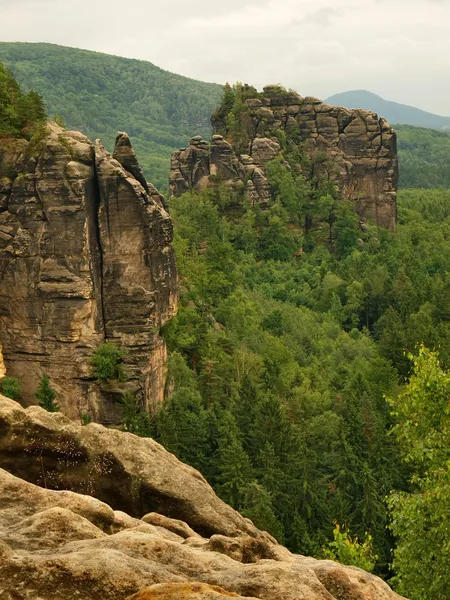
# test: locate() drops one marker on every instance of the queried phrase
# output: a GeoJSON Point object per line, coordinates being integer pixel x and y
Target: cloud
{"type": "Point", "coordinates": [397, 48]}
{"type": "Point", "coordinates": [323, 16]}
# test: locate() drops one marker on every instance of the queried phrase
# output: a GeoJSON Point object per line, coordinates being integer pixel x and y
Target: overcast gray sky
{"type": "Point", "coordinates": [399, 49]}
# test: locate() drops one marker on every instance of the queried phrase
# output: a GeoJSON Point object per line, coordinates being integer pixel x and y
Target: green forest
{"type": "Point", "coordinates": [297, 358]}
{"type": "Point", "coordinates": [100, 94]}
{"type": "Point", "coordinates": [423, 157]}
{"type": "Point", "coordinates": [279, 366]}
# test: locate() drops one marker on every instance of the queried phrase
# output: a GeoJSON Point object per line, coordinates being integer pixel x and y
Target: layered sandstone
{"type": "Point", "coordinates": [57, 544]}
{"type": "Point", "coordinates": [353, 148]}
{"type": "Point", "coordinates": [85, 257]}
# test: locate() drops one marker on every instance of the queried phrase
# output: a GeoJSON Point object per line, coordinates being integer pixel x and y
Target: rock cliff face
{"type": "Point", "coordinates": [85, 257]}
{"type": "Point", "coordinates": [360, 151]}
{"type": "Point", "coordinates": [57, 543]}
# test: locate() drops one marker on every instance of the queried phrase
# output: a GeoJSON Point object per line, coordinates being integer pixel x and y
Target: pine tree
{"type": "Point", "coordinates": [46, 395]}
{"type": "Point", "coordinates": [234, 469]}
{"type": "Point", "coordinates": [20, 114]}
{"type": "Point", "coordinates": [257, 506]}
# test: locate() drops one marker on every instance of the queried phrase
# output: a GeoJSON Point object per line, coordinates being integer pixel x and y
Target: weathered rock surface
{"type": "Point", "coordinates": [360, 148]}
{"type": "Point", "coordinates": [2, 364]}
{"type": "Point", "coordinates": [185, 591]}
{"type": "Point", "coordinates": [59, 544]}
{"type": "Point", "coordinates": [201, 164]}
{"type": "Point", "coordinates": [133, 474]}
{"type": "Point", "coordinates": [85, 257]}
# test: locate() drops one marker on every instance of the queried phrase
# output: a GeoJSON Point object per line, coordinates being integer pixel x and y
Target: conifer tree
{"type": "Point", "coordinates": [233, 467]}
{"type": "Point", "coordinates": [257, 506]}
{"type": "Point", "coordinates": [46, 395]}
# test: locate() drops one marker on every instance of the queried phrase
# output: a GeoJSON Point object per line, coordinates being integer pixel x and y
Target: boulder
{"type": "Point", "coordinates": [132, 474]}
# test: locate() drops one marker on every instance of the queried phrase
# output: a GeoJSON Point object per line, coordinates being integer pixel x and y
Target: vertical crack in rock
{"type": "Point", "coordinates": [93, 221]}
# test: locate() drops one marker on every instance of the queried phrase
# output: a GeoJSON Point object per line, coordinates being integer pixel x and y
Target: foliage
{"type": "Point", "coordinates": [349, 551]}
{"type": "Point", "coordinates": [46, 395]}
{"type": "Point", "coordinates": [107, 362]}
{"type": "Point", "coordinates": [257, 505]}
{"type": "Point", "coordinates": [421, 517]}
{"type": "Point", "coordinates": [20, 113]}
{"type": "Point", "coordinates": [229, 115]}
{"type": "Point", "coordinates": [10, 387]}
{"type": "Point", "coordinates": [100, 94]}
{"type": "Point", "coordinates": [423, 157]}
{"type": "Point", "coordinates": [86, 419]}
{"type": "Point", "coordinates": [134, 419]}
{"type": "Point", "coordinates": [280, 361]}
{"type": "Point", "coordinates": [276, 380]}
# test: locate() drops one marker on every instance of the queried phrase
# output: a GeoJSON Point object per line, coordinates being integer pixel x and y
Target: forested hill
{"type": "Point", "coordinates": [101, 94]}
{"type": "Point", "coordinates": [424, 156]}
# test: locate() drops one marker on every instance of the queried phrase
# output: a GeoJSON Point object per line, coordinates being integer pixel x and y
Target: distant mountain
{"type": "Point", "coordinates": [101, 94]}
{"type": "Point", "coordinates": [394, 112]}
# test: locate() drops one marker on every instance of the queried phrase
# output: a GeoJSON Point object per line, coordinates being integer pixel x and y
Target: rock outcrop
{"type": "Point", "coordinates": [59, 544]}
{"type": "Point", "coordinates": [200, 164]}
{"type": "Point", "coordinates": [134, 474]}
{"type": "Point", "coordinates": [354, 148]}
{"type": "Point", "coordinates": [85, 257]}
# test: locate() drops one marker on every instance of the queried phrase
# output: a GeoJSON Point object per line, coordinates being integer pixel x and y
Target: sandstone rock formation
{"type": "Point", "coordinates": [59, 544]}
{"type": "Point", "coordinates": [359, 147]}
{"type": "Point", "coordinates": [134, 474]}
{"type": "Point", "coordinates": [200, 163]}
{"type": "Point", "coordinates": [85, 257]}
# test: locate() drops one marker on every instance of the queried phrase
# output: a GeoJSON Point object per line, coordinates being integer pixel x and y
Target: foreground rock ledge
{"type": "Point", "coordinates": [59, 544]}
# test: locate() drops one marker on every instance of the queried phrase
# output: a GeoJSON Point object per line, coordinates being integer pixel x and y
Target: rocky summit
{"type": "Point", "coordinates": [64, 532]}
{"type": "Point", "coordinates": [85, 257]}
{"type": "Point", "coordinates": [353, 148]}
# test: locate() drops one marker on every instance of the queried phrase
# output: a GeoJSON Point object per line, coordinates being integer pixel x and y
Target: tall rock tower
{"type": "Point", "coordinates": [353, 148]}
{"type": "Point", "coordinates": [85, 257]}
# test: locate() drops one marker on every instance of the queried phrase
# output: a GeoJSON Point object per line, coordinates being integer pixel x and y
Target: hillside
{"type": "Point", "coordinates": [424, 157]}
{"type": "Point", "coordinates": [100, 94]}
{"type": "Point", "coordinates": [395, 113]}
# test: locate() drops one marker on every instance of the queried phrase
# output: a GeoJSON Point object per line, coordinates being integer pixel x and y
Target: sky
{"type": "Point", "coordinates": [399, 49]}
